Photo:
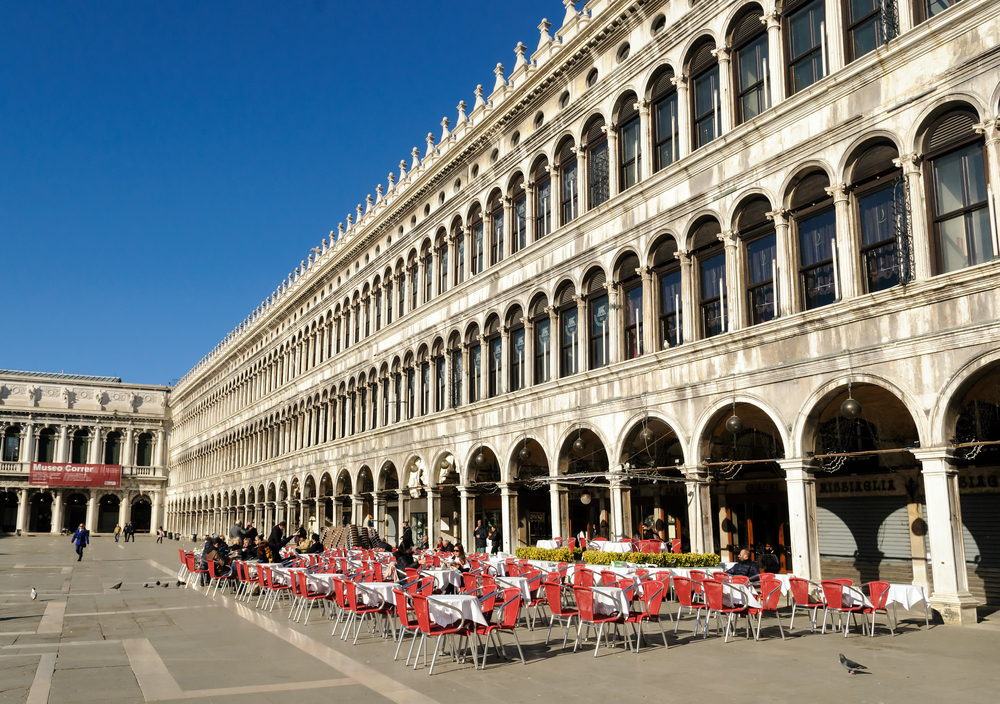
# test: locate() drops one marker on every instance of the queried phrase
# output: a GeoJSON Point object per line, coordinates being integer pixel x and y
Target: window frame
{"type": "Point", "coordinates": [873, 184]}
{"type": "Point", "coordinates": [496, 217]}
{"type": "Point", "coordinates": [569, 353]}
{"type": "Point", "coordinates": [748, 237]}
{"type": "Point", "coordinates": [543, 206]}
{"type": "Point", "coordinates": [792, 61]}
{"type": "Point", "coordinates": [797, 217]}
{"type": "Point", "coordinates": [542, 356]}
{"type": "Point", "coordinates": [702, 257]}
{"type": "Point", "coordinates": [598, 340]}
{"type": "Point", "coordinates": [569, 189]}
{"type": "Point", "coordinates": [595, 187]}
{"type": "Point", "coordinates": [761, 87]}
{"type": "Point", "coordinates": [517, 366]}
{"type": "Point", "coordinates": [634, 164]}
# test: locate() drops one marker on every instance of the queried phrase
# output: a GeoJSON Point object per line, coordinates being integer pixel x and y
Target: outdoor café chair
{"type": "Point", "coordinates": [833, 594]}
{"type": "Point", "coordinates": [502, 619]}
{"type": "Point", "coordinates": [684, 590]}
{"type": "Point", "coordinates": [802, 599]}
{"type": "Point", "coordinates": [770, 594]}
{"type": "Point", "coordinates": [878, 595]}
{"type": "Point", "coordinates": [716, 605]}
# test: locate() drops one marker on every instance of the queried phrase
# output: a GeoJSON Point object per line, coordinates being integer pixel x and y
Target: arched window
{"type": "Point", "coordinates": [458, 234]}
{"type": "Point", "coordinates": [929, 8]}
{"type": "Point", "coordinates": [79, 446]}
{"type": "Point", "coordinates": [516, 362]}
{"type": "Point", "coordinates": [414, 280]}
{"type": "Point", "coordinates": [478, 246]}
{"type": "Point", "coordinates": [542, 342]}
{"type": "Point", "coordinates": [543, 200]}
{"type": "Point", "coordinates": [428, 262]}
{"type": "Point", "coordinates": [496, 229]}
{"type": "Point", "coordinates": [759, 244]}
{"type": "Point", "coordinates": [475, 362]}
{"type": "Point", "coordinates": [600, 330]}
{"type": "Point", "coordinates": [411, 392]}
{"type": "Point", "coordinates": [629, 143]}
{"type": "Point", "coordinates": [385, 399]}
{"type": "Point", "coordinates": [401, 293]}
{"type": "Point", "coordinates": [388, 298]}
{"type": "Point", "coordinates": [357, 318]}
{"type": "Point", "coordinates": [663, 96]}
{"type": "Point", "coordinates": [627, 275]}
{"type": "Point", "coordinates": [750, 74]}
{"type": "Point", "coordinates": [803, 24]}
{"type": "Point", "coordinates": [367, 305]}
{"type": "Point", "coordinates": [598, 165]}
{"type": "Point", "coordinates": [569, 331]}
{"type": "Point", "coordinates": [455, 353]}
{"type": "Point", "coordinates": [878, 192]}
{"type": "Point", "coordinates": [494, 359]}
{"type": "Point", "coordinates": [710, 256]}
{"type": "Point", "coordinates": [363, 401]}
{"type": "Point", "coordinates": [425, 386]}
{"type": "Point", "coordinates": [955, 175]}
{"type": "Point", "coordinates": [354, 409]}
{"type": "Point", "coordinates": [442, 252]}
{"type": "Point", "coordinates": [870, 24]}
{"type": "Point", "coordinates": [12, 444]}
{"type": "Point", "coordinates": [667, 269]}
{"type": "Point", "coordinates": [397, 390]}
{"type": "Point", "coordinates": [704, 72]}
{"type": "Point", "coordinates": [378, 307]}
{"type": "Point", "coordinates": [816, 225]}
{"type": "Point", "coordinates": [347, 324]}
{"type": "Point", "coordinates": [519, 220]}
{"type": "Point", "coordinates": [144, 450]}
{"type": "Point", "coordinates": [569, 198]}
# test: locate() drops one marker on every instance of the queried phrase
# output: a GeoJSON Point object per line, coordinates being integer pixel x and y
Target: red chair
{"type": "Point", "coordinates": [739, 579]}
{"type": "Point", "coordinates": [272, 588]}
{"type": "Point", "coordinates": [192, 568]}
{"type": "Point", "coordinates": [503, 619]}
{"type": "Point", "coordinates": [404, 608]}
{"type": "Point", "coordinates": [878, 594]}
{"type": "Point", "coordinates": [684, 589]}
{"type": "Point", "coordinates": [802, 599]}
{"type": "Point", "coordinates": [470, 583]}
{"type": "Point", "coordinates": [182, 571]}
{"type": "Point", "coordinates": [585, 603]}
{"type": "Point", "coordinates": [554, 592]}
{"type": "Point", "coordinates": [650, 547]}
{"type": "Point", "coordinates": [538, 598]}
{"type": "Point", "coordinates": [721, 576]}
{"type": "Point", "coordinates": [652, 594]}
{"type": "Point", "coordinates": [359, 611]}
{"type": "Point", "coordinates": [716, 605]}
{"type": "Point", "coordinates": [833, 594]}
{"type": "Point", "coordinates": [215, 578]}
{"type": "Point", "coordinates": [770, 593]}
{"type": "Point", "coordinates": [307, 595]}
{"type": "Point", "coordinates": [571, 544]}
{"type": "Point", "coordinates": [600, 540]}
{"type": "Point", "coordinates": [608, 578]}
{"type": "Point", "coordinates": [428, 629]}
{"type": "Point", "coordinates": [583, 577]}
{"type": "Point", "coordinates": [343, 607]}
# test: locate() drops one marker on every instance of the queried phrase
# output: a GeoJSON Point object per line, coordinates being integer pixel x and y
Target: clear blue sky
{"type": "Point", "coordinates": [163, 165]}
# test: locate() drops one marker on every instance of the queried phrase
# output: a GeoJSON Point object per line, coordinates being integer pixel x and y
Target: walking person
{"type": "Point", "coordinates": [480, 535]}
{"type": "Point", "coordinates": [118, 531]}
{"type": "Point", "coordinates": [129, 532]}
{"type": "Point", "coordinates": [494, 537]}
{"type": "Point", "coordinates": [81, 538]}
{"type": "Point", "coordinates": [159, 534]}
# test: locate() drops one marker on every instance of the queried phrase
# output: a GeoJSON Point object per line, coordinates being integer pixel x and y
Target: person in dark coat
{"type": "Point", "coordinates": [251, 532]}
{"type": "Point", "coordinates": [480, 534]}
{"type": "Point", "coordinates": [407, 537]}
{"type": "Point", "coordinates": [745, 567]}
{"type": "Point", "coordinates": [81, 539]}
{"type": "Point", "coordinates": [315, 547]}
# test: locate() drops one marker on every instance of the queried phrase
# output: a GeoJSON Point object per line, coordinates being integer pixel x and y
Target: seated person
{"type": "Point", "coordinates": [461, 562]}
{"type": "Point", "coordinates": [404, 557]}
{"type": "Point", "coordinates": [448, 547]}
{"type": "Point", "coordinates": [745, 567]}
{"type": "Point", "coordinates": [440, 545]}
{"type": "Point", "coordinates": [647, 533]}
{"type": "Point", "coordinates": [382, 545]}
{"type": "Point", "coordinates": [315, 547]}
{"type": "Point", "coordinates": [423, 543]}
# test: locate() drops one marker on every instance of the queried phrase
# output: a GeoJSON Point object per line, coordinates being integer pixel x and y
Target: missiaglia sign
{"type": "Point", "coordinates": [46, 474]}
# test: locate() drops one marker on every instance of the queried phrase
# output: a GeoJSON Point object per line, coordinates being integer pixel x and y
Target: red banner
{"type": "Point", "coordinates": [96, 475]}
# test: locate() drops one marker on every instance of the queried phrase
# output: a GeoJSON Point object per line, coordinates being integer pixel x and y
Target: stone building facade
{"type": "Point", "coordinates": [81, 420]}
{"type": "Point", "coordinates": [666, 216]}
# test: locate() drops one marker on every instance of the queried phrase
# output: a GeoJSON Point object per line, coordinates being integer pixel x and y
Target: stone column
{"type": "Point", "coordinates": [990, 129]}
{"type": "Point", "coordinates": [582, 334]}
{"type": "Point", "coordinates": [734, 291]}
{"type": "Point", "coordinates": [357, 510]}
{"type": "Point", "coordinates": [699, 501]}
{"type": "Point", "coordinates": [123, 509]}
{"type": "Point", "coordinates": [379, 515]}
{"type": "Point", "coordinates": [689, 297]}
{"type": "Point", "coordinates": [611, 130]}
{"type": "Point", "coordinates": [724, 121]}
{"type": "Point", "coordinates": [62, 447]}
{"type": "Point", "coordinates": [951, 597]}
{"type": "Point", "coordinates": [22, 510]}
{"type": "Point", "coordinates": [468, 505]}
{"type": "Point", "coordinates": [529, 211]}
{"type": "Point", "coordinates": [835, 56]}
{"type": "Point", "coordinates": [618, 492]}
{"type": "Point", "coordinates": [801, 486]}
{"type": "Point", "coordinates": [503, 383]}
{"type": "Point", "coordinates": [509, 518]}
{"type": "Point", "coordinates": [96, 442]}
{"type": "Point", "coordinates": [127, 447]}
{"type": "Point", "coordinates": [27, 451]}
{"type": "Point", "coordinates": [645, 139]}
{"type": "Point", "coordinates": [684, 136]}
{"type": "Point", "coordinates": [650, 319]}
{"type": "Point", "coordinates": [616, 326]}
{"type": "Point", "coordinates": [433, 515]}
{"type": "Point", "coordinates": [784, 278]}
{"type": "Point", "coordinates": [91, 511]}
{"type": "Point", "coordinates": [847, 258]}
{"type": "Point", "coordinates": [484, 364]}
{"type": "Point", "coordinates": [57, 499]}
{"type": "Point", "coordinates": [775, 58]}
{"type": "Point", "coordinates": [403, 502]}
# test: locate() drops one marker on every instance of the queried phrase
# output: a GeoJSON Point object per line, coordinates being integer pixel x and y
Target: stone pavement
{"type": "Point", "coordinates": [81, 641]}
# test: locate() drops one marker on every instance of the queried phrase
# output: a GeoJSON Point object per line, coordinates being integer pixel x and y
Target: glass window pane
{"type": "Point", "coordinates": [975, 174]}
{"type": "Point", "coordinates": [876, 217]}
{"type": "Point", "coordinates": [982, 243]}
{"type": "Point", "coordinates": [597, 169]}
{"type": "Point", "coordinates": [865, 37]}
{"type": "Point", "coordinates": [713, 272]}
{"type": "Point", "coordinates": [704, 92]}
{"type": "Point", "coordinates": [816, 238]}
{"type": "Point", "coordinates": [760, 258]}
{"type": "Point", "coordinates": [860, 8]}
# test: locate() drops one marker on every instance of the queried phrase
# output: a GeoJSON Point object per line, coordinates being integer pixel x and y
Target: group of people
{"type": "Point", "coordinates": [245, 543]}
{"type": "Point", "coordinates": [128, 530]}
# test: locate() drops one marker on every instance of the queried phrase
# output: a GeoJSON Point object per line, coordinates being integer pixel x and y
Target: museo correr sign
{"type": "Point", "coordinates": [93, 475]}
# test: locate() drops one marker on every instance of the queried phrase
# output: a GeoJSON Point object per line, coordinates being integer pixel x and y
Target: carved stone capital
{"type": "Point", "coordinates": [909, 163]}
{"type": "Point", "coordinates": [779, 216]}
{"type": "Point", "coordinates": [838, 191]}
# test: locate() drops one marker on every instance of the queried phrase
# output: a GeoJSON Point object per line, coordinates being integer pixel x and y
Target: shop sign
{"type": "Point", "coordinates": [858, 486]}
{"type": "Point", "coordinates": [92, 475]}
{"type": "Point", "coordinates": [979, 481]}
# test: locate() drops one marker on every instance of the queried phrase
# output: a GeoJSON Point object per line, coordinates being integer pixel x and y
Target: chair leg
{"type": "Point", "coordinates": [410, 652]}
{"type": "Point", "coordinates": [825, 612]}
{"type": "Point", "coordinates": [662, 633]}
{"type": "Point", "coordinates": [569, 620]}
{"type": "Point", "coordinates": [600, 630]}
{"type": "Point", "coordinates": [518, 643]}
{"type": "Point", "coordinates": [791, 624]}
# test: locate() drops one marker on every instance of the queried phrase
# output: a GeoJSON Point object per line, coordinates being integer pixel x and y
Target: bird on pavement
{"type": "Point", "coordinates": [850, 665]}
{"type": "Point", "coordinates": [166, 584]}
{"type": "Point", "coordinates": [117, 586]}
{"type": "Point", "coordinates": [145, 585]}
{"type": "Point", "coordinates": [34, 593]}
{"type": "Point", "coordinates": [157, 582]}
{"type": "Point", "coordinates": [180, 583]}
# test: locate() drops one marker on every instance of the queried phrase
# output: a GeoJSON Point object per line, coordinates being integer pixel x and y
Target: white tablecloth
{"type": "Point", "coordinates": [907, 595]}
{"type": "Point", "coordinates": [548, 544]}
{"type": "Point", "coordinates": [443, 578]}
{"type": "Point", "coordinates": [610, 601]}
{"type": "Point", "coordinates": [468, 605]}
{"type": "Point", "coordinates": [734, 596]}
{"type": "Point", "coordinates": [381, 591]}
{"type": "Point", "coordinates": [607, 546]}
{"type": "Point", "coordinates": [517, 583]}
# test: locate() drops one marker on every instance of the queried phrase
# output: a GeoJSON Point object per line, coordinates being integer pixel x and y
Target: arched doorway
{"type": "Point", "coordinates": [74, 511]}
{"type": "Point", "coordinates": [8, 511]}
{"type": "Point", "coordinates": [366, 491]}
{"type": "Point", "coordinates": [749, 496]}
{"type": "Point", "coordinates": [342, 496]}
{"type": "Point", "coordinates": [388, 484]}
{"type": "Point", "coordinates": [40, 517]}
{"type": "Point", "coordinates": [657, 497]}
{"type": "Point", "coordinates": [583, 460]}
{"type": "Point", "coordinates": [108, 512]}
{"type": "Point", "coordinates": [142, 513]}
{"type": "Point", "coordinates": [483, 475]}
{"type": "Point", "coordinates": [975, 418]}
{"type": "Point", "coordinates": [324, 502]}
{"type": "Point", "coordinates": [529, 474]}
{"type": "Point", "coordinates": [869, 491]}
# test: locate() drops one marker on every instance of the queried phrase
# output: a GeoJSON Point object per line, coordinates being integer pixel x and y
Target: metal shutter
{"type": "Point", "coordinates": [981, 531]}
{"type": "Point", "coordinates": [870, 528]}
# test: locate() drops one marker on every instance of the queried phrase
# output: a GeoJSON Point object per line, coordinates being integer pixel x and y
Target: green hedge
{"type": "Point", "coordinates": [593, 557]}
{"type": "Point", "coordinates": [667, 559]}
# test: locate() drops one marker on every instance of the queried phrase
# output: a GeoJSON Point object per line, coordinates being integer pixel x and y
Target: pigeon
{"type": "Point", "coordinates": [145, 585]}
{"type": "Point", "coordinates": [180, 583]}
{"type": "Point", "coordinates": [34, 593]}
{"type": "Point", "coordinates": [850, 665]}
{"type": "Point", "coordinates": [117, 586]}
{"type": "Point", "coordinates": [157, 582]}
{"type": "Point", "coordinates": [166, 584]}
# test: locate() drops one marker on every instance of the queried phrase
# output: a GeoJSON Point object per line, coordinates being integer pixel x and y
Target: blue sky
{"type": "Point", "coordinates": [163, 165]}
